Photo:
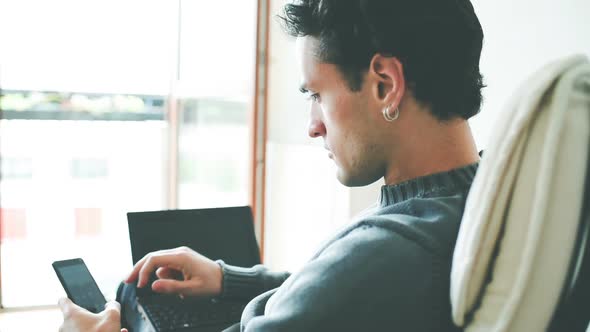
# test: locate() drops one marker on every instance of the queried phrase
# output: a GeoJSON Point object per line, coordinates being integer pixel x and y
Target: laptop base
{"type": "Point", "coordinates": [135, 319]}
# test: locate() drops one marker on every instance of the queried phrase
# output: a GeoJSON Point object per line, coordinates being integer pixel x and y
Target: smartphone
{"type": "Point", "coordinates": [79, 284]}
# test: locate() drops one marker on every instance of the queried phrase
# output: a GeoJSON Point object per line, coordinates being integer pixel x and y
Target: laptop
{"type": "Point", "coordinates": [218, 233]}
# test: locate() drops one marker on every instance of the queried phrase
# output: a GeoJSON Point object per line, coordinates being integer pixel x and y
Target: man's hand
{"type": "Point", "coordinates": [77, 319]}
{"type": "Point", "coordinates": [180, 271]}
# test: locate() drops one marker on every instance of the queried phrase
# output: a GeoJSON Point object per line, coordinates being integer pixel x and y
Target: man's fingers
{"type": "Point", "coordinates": [112, 310]}
{"type": "Point", "coordinates": [112, 305]}
{"type": "Point", "coordinates": [168, 273]}
{"type": "Point", "coordinates": [156, 261]}
{"type": "Point", "coordinates": [134, 272]}
{"type": "Point", "coordinates": [137, 272]}
{"type": "Point", "coordinates": [142, 270]}
{"type": "Point", "coordinates": [67, 307]}
{"type": "Point", "coordinates": [146, 270]}
{"type": "Point", "coordinates": [164, 273]}
{"type": "Point", "coordinates": [170, 286]}
{"type": "Point", "coordinates": [64, 304]}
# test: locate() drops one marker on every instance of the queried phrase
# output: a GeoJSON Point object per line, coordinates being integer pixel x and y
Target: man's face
{"type": "Point", "coordinates": [343, 118]}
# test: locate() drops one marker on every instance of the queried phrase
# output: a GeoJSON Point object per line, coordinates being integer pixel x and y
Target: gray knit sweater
{"type": "Point", "coordinates": [387, 272]}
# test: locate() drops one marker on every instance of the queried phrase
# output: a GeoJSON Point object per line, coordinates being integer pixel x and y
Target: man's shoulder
{"type": "Point", "coordinates": [377, 273]}
{"type": "Point", "coordinates": [391, 230]}
{"type": "Point", "coordinates": [433, 224]}
{"type": "Point", "coordinates": [378, 244]}
{"type": "Point", "coordinates": [375, 257]}
{"type": "Point", "coordinates": [393, 270]}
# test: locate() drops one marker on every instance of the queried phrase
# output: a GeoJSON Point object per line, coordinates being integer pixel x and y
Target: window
{"type": "Point", "coordinates": [215, 88]}
{"type": "Point", "coordinates": [16, 167]}
{"type": "Point", "coordinates": [105, 110]}
{"type": "Point", "coordinates": [89, 168]}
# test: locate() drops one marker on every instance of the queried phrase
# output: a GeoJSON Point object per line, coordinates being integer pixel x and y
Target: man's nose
{"type": "Point", "coordinates": [316, 125]}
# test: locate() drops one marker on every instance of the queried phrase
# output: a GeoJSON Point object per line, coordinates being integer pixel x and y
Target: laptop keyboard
{"type": "Point", "coordinates": [178, 316]}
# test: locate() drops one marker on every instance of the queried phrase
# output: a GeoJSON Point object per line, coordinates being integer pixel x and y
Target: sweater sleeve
{"type": "Point", "coordinates": [246, 283]}
{"type": "Point", "coordinates": [371, 280]}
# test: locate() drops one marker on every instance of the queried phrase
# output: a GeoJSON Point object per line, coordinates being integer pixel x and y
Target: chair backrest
{"type": "Point", "coordinates": [520, 259]}
{"type": "Point", "coordinates": [573, 311]}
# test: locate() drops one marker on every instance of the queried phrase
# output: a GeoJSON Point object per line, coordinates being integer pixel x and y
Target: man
{"type": "Point", "coordinates": [391, 85]}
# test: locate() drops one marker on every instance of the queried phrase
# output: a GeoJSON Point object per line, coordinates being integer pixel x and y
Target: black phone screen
{"type": "Point", "coordinates": [79, 284]}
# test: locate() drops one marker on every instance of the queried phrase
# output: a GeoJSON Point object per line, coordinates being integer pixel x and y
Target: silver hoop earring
{"type": "Point", "coordinates": [390, 117]}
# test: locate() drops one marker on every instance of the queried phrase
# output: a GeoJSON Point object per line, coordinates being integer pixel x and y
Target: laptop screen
{"type": "Point", "coordinates": [218, 233]}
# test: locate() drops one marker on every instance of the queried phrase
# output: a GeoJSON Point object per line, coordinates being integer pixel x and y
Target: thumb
{"type": "Point", "coordinates": [67, 306]}
{"type": "Point", "coordinates": [169, 286]}
{"type": "Point", "coordinates": [112, 305]}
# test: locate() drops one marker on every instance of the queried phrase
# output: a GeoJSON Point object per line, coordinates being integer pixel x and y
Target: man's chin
{"type": "Point", "coordinates": [354, 181]}
{"type": "Point", "coordinates": [348, 181]}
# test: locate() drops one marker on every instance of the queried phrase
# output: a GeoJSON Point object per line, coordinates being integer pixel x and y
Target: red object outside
{"type": "Point", "coordinates": [88, 221]}
{"type": "Point", "coordinates": [13, 224]}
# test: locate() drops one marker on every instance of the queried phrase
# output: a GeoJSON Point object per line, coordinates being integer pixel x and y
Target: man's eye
{"type": "Point", "coordinates": [315, 97]}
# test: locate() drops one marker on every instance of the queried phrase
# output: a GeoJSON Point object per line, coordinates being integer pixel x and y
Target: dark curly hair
{"type": "Point", "coordinates": [438, 42]}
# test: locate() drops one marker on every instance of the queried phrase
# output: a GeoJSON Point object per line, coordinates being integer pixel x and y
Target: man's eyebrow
{"type": "Point", "coordinates": [303, 89]}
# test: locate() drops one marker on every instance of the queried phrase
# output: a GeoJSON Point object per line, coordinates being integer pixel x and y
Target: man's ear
{"type": "Point", "coordinates": [389, 82]}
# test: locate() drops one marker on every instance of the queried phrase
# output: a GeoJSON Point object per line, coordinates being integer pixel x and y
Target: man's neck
{"type": "Point", "coordinates": [441, 148]}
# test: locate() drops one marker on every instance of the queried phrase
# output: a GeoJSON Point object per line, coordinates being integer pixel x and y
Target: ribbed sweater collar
{"type": "Point", "coordinates": [454, 179]}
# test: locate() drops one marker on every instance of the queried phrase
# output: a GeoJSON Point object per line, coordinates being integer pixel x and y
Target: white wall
{"type": "Point", "coordinates": [521, 36]}
{"type": "Point", "coordinates": [305, 202]}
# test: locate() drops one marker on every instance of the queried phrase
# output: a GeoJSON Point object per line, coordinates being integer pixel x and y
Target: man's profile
{"type": "Point", "coordinates": [391, 85]}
